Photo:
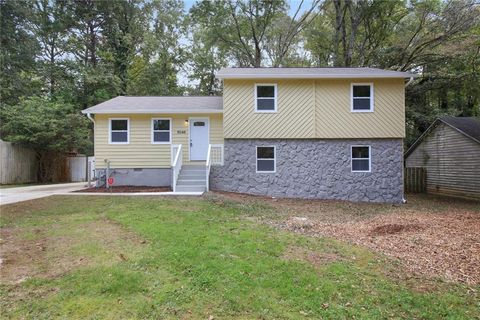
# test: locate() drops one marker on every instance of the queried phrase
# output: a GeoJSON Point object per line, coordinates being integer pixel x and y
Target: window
{"type": "Point", "coordinates": [266, 97]}
{"type": "Point", "coordinates": [265, 159]}
{"type": "Point", "coordinates": [161, 131]}
{"type": "Point", "coordinates": [361, 159]}
{"type": "Point", "coordinates": [362, 97]}
{"type": "Point", "coordinates": [119, 131]}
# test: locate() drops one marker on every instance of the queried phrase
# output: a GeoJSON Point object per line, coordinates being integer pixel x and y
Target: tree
{"type": "Point", "coordinates": [241, 28]}
{"type": "Point", "coordinates": [51, 23]}
{"type": "Point", "coordinates": [49, 127]}
{"type": "Point", "coordinates": [125, 23]}
{"type": "Point", "coordinates": [18, 49]}
{"type": "Point", "coordinates": [162, 55]}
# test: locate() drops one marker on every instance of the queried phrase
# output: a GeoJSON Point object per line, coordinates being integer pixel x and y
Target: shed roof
{"type": "Point", "coordinates": [468, 126]}
{"type": "Point", "coordinates": [309, 73]}
{"type": "Point", "coordinates": [181, 104]}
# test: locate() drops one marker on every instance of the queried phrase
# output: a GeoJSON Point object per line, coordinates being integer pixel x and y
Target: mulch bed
{"type": "Point", "coordinates": [125, 189]}
{"type": "Point", "coordinates": [432, 237]}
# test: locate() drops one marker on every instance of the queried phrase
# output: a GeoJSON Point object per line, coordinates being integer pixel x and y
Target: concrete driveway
{"type": "Point", "coordinates": [18, 194]}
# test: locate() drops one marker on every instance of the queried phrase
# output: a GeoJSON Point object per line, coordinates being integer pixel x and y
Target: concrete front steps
{"type": "Point", "coordinates": [192, 178]}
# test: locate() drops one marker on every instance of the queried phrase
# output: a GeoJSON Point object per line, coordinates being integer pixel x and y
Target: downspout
{"type": "Point", "coordinates": [403, 198]}
{"type": "Point", "coordinates": [409, 81]}
{"type": "Point", "coordinates": [89, 116]}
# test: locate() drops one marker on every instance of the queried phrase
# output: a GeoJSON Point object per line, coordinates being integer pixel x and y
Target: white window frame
{"type": "Point", "coordinates": [110, 131]}
{"type": "Point", "coordinates": [369, 158]}
{"type": "Point", "coordinates": [274, 85]}
{"type": "Point", "coordinates": [274, 159]}
{"type": "Point", "coordinates": [153, 131]}
{"type": "Point", "coordinates": [372, 95]}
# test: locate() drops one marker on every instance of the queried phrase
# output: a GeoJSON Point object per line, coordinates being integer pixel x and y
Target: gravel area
{"type": "Point", "coordinates": [431, 236]}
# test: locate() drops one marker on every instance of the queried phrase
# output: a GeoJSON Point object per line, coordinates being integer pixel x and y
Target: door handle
{"type": "Point", "coordinates": [191, 142]}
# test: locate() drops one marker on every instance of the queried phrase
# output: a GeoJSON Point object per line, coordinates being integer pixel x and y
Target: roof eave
{"type": "Point", "coordinates": [154, 112]}
{"type": "Point", "coordinates": [290, 76]}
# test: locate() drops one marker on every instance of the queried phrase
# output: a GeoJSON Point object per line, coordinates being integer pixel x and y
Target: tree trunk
{"type": "Point", "coordinates": [338, 28]}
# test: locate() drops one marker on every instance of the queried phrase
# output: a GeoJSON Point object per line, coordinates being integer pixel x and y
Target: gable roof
{"type": "Point", "coordinates": [309, 73]}
{"type": "Point", "coordinates": [468, 126]}
{"type": "Point", "coordinates": [131, 104]}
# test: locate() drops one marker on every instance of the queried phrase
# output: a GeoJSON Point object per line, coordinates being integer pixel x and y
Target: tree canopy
{"type": "Point", "coordinates": [83, 52]}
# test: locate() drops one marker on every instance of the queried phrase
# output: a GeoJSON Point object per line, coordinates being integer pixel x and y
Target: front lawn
{"type": "Point", "coordinates": [197, 258]}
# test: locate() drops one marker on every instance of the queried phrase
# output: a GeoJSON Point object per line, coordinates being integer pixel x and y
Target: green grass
{"type": "Point", "coordinates": [192, 258]}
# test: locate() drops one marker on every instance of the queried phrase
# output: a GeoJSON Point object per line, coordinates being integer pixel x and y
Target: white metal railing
{"type": "Point", "coordinates": [177, 163]}
{"type": "Point", "coordinates": [214, 157]}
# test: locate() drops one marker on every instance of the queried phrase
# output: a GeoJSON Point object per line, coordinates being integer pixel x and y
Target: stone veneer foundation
{"type": "Point", "coordinates": [315, 169]}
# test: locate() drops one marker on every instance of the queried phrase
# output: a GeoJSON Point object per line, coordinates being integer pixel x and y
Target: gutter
{"type": "Point", "coordinates": [409, 81]}
{"type": "Point", "coordinates": [89, 116]}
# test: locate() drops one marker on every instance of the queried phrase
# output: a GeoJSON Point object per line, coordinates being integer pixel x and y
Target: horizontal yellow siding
{"type": "Point", "coordinates": [314, 109]}
{"type": "Point", "coordinates": [140, 152]}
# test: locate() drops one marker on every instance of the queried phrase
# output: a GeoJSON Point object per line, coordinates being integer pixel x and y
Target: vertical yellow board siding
{"type": "Point", "coordinates": [140, 152]}
{"type": "Point", "coordinates": [294, 117]}
{"type": "Point", "coordinates": [314, 109]}
{"type": "Point", "coordinates": [334, 118]}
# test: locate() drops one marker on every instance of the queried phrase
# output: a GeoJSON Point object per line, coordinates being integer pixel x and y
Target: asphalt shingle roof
{"type": "Point", "coordinates": [181, 104]}
{"type": "Point", "coordinates": [469, 126]}
{"type": "Point", "coordinates": [309, 73]}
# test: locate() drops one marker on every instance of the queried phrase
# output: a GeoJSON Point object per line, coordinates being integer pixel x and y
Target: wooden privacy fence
{"type": "Point", "coordinates": [17, 164]}
{"type": "Point", "coordinates": [415, 179]}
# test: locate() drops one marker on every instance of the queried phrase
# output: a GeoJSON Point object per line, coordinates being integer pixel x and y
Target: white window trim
{"type": "Point", "coordinates": [369, 159]}
{"type": "Point", "coordinates": [110, 131]}
{"type": "Point", "coordinates": [274, 98]}
{"type": "Point", "coordinates": [169, 130]}
{"type": "Point", "coordinates": [274, 159]}
{"type": "Point", "coordinates": [372, 95]}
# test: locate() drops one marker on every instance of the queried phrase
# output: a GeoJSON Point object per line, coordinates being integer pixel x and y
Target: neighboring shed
{"type": "Point", "coordinates": [449, 150]}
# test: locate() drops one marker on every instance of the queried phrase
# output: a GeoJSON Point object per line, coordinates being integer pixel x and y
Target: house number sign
{"type": "Point", "coordinates": [181, 131]}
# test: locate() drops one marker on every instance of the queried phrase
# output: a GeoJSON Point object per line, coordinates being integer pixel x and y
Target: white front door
{"type": "Point", "coordinates": [199, 138]}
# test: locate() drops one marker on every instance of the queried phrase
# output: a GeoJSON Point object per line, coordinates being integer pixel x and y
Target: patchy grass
{"type": "Point", "coordinates": [125, 257]}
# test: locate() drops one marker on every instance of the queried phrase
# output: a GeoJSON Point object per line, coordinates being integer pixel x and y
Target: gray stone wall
{"type": "Point", "coordinates": [138, 177]}
{"type": "Point", "coordinates": [317, 169]}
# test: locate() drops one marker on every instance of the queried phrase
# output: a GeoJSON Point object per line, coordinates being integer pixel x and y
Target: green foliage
{"type": "Point", "coordinates": [85, 52]}
{"type": "Point", "coordinates": [18, 48]}
{"type": "Point", "coordinates": [45, 125]}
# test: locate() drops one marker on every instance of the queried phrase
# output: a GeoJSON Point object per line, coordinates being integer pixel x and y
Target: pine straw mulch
{"type": "Point", "coordinates": [431, 236]}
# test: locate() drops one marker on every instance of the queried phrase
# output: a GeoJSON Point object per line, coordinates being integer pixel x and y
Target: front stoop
{"type": "Point", "coordinates": [192, 178]}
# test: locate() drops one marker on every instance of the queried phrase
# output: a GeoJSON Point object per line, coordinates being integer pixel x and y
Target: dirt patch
{"type": "Point", "coordinates": [27, 253]}
{"type": "Point", "coordinates": [123, 189]}
{"type": "Point", "coordinates": [431, 236]}
{"type": "Point", "coordinates": [315, 258]}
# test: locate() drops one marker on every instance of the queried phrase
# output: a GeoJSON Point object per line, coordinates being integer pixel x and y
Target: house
{"type": "Point", "coordinates": [449, 150]}
{"type": "Point", "coordinates": [326, 133]}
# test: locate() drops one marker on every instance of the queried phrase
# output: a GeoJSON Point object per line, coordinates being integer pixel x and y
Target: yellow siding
{"type": "Point", "coordinates": [294, 119]}
{"type": "Point", "coordinates": [334, 118]}
{"type": "Point", "coordinates": [140, 152]}
{"type": "Point", "coordinates": [314, 109]}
